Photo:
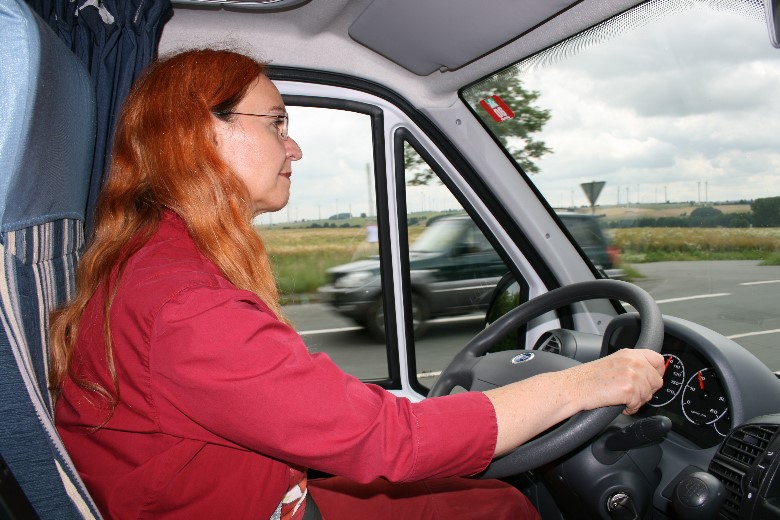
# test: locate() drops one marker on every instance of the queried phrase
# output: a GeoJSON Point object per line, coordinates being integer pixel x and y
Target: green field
{"type": "Point", "coordinates": [302, 255]}
{"type": "Point", "coordinates": [663, 244]}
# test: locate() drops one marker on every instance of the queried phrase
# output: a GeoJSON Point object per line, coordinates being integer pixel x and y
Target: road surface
{"type": "Point", "coordinates": [738, 299]}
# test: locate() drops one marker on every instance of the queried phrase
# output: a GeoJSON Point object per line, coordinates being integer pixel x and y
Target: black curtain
{"type": "Point", "coordinates": [116, 40]}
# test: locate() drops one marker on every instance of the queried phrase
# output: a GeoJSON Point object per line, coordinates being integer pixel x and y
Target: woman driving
{"type": "Point", "coordinates": [182, 392]}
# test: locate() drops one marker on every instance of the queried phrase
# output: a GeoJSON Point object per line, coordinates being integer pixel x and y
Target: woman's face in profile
{"type": "Point", "coordinates": [254, 148]}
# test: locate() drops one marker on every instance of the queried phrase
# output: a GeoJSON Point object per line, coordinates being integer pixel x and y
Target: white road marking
{"type": "Point", "coordinates": [756, 333]}
{"type": "Point", "coordinates": [327, 331]}
{"type": "Point", "coordinates": [467, 317]}
{"type": "Point", "coordinates": [696, 297]}
{"type": "Point", "coordinates": [761, 282]}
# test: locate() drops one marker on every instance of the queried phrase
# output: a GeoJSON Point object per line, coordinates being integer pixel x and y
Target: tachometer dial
{"type": "Point", "coordinates": [703, 398]}
{"type": "Point", "coordinates": [674, 380]}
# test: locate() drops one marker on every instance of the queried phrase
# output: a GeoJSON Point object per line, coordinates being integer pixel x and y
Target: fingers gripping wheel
{"type": "Point", "coordinates": [571, 434]}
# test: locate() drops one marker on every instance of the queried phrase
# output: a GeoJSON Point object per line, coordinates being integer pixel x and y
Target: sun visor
{"type": "Point", "coordinates": [425, 36]}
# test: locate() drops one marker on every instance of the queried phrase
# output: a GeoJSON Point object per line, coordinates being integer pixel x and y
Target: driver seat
{"type": "Point", "coordinates": [47, 134]}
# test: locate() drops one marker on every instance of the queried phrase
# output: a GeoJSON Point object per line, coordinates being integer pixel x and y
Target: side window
{"type": "Point", "coordinates": [325, 249]}
{"type": "Point", "coordinates": [324, 244]}
{"type": "Point", "coordinates": [453, 267]}
{"type": "Point", "coordinates": [477, 243]}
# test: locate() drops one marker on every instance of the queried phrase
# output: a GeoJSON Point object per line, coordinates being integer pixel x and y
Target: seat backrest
{"type": "Point", "coordinates": [47, 133]}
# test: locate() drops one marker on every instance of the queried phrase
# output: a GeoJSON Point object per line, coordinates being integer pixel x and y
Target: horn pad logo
{"type": "Point", "coordinates": [522, 358]}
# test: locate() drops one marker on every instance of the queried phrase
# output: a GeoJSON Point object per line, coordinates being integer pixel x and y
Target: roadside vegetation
{"type": "Point", "coordinates": [301, 255]}
{"type": "Point", "coordinates": [639, 245]}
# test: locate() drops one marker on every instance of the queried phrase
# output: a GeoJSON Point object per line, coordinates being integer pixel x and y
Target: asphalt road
{"type": "Point", "coordinates": [738, 299]}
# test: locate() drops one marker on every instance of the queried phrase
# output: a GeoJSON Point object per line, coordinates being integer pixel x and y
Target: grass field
{"type": "Point", "coordinates": [664, 210]}
{"type": "Point", "coordinates": [661, 244]}
{"type": "Point", "coordinates": [301, 256]}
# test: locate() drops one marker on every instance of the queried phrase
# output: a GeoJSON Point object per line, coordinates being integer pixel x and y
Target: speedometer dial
{"type": "Point", "coordinates": [723, 425]}
{"type": "Point", "coordinates": [674, 380]}
{"type": "Point", "coordinates": [703, 398]}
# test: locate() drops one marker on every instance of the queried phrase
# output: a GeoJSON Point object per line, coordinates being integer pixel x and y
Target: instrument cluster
{"type": "Point", "coordinates": [692, 396]}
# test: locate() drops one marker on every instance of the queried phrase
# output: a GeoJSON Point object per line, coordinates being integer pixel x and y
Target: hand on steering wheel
{"type": "Point", "coordinates": [471, 368]}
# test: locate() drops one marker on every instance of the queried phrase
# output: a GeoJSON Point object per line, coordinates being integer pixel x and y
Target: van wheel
{"type": "Point", "coordinates": [375, 322]}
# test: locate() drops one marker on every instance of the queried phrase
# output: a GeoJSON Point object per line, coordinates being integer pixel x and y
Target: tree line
{"type": "Point", "coordinates": [764, 212]}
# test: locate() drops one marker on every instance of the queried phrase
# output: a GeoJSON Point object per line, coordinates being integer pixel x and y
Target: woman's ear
{"type": "Point", "coordinates": [217, 130]}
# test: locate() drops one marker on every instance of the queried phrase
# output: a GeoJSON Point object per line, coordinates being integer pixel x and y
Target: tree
{"type": "Point", "coordinates": [766, 212]}
{"type": "Point", "coordinates": [706, 216]}
{"type": "Point", "coordinates": [514, 134]}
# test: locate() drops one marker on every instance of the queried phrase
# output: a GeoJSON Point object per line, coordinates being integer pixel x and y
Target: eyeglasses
{"type": "Point", "coordinates": [282, 121]}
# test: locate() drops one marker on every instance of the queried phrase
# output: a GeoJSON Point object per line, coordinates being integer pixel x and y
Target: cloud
{"type": "Point", "coordinates": [335, 174]}
{"type": "Point", "coordinates": [699, 110]}
{"type": "Point", "coordinates": [332, 175]}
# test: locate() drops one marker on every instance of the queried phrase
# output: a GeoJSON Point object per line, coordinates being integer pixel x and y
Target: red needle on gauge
{"type": "Point", "coordinates": [668, 362]}
{"type": "Point", "coordinates": [701, 380]}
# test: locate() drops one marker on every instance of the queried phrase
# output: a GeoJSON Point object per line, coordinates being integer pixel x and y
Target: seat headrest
{"type": "Point", "coordinates": [47, 123]}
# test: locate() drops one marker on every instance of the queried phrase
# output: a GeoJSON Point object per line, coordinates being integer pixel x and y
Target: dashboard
{"type": "Point", "coordinates": [724, 406]}
{"type": "Point", "coordinates": [693, 395]}
{"type": "Point", "coordinates": [703, 393]}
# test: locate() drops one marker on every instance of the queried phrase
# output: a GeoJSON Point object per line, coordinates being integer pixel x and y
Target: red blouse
{"type": "Point", "coordinates": [218, 397]}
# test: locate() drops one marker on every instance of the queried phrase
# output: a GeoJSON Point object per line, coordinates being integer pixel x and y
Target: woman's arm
{"type": "Point", "coordinates": [628, 377]}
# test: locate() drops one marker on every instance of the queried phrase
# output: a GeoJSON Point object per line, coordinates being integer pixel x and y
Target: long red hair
{"type": "Point", "coordinates": [165, 157]}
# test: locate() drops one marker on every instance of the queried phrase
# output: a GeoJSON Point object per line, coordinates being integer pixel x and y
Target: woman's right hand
{"type": "Point", "coordinates": [628, 377]}
{"type": "Point", "coordinates": [524, 409]}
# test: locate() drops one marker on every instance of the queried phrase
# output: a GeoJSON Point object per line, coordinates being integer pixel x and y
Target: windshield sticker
{"type": "Point", "coordinates": [497, 109]}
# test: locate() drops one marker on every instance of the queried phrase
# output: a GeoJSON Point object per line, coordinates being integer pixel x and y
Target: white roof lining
{"type": "Point", "coordinates": [324, 27]}
{"type": "Point", "coordinates": [446, 34]}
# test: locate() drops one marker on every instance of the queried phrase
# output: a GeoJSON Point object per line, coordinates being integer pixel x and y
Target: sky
{"type": "Point", "coordinates": [695, 119]}
{"type": "Point", "coordinates": [336, 150]}
{"type": "Point", "coordinates": [334, 174]}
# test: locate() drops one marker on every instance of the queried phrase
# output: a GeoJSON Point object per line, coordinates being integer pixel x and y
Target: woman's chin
{"type": "Point", "coordinates": [272, 208]}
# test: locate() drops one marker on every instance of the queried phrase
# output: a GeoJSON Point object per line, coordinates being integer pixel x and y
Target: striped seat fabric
{"type": "Point", "coordinates": [47, 132]}
{"type": "Point", "coordinates": [38, 266]}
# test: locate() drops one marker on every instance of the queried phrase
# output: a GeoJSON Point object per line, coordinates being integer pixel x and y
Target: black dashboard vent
{"type": "Point", "coordinates": [552, 344]}
{"type": "Point", "coordinates": [732, 481]}
{"type": "Point", "coordinates": [748, 443]}
{"type": "Point", "coordinates": [734, 463]}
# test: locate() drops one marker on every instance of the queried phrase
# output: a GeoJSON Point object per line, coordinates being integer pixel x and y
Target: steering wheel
{"type": "Point", "coordinates": [472, 370]}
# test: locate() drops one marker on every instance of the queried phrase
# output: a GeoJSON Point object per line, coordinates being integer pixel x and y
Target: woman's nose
{"type": "Point", "coordinates": [293, 150]}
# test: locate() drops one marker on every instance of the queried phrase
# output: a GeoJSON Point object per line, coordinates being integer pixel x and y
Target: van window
{"type": "Point", "coordinates": [662, 124]}
{"type": "Point", "coordinates": [330, 221]}
{"type": "Point", "coordinates": [453, 267]}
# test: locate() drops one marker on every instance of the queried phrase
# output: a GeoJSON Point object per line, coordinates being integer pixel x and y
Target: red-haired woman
{"type": "Point", "coordinates": [181, 390]}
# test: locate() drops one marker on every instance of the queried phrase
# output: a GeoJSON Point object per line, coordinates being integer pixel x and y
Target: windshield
{"type": "Point", "coordinates": [663, 122]}
{"type": "Point", "coordinates": [586, 232]}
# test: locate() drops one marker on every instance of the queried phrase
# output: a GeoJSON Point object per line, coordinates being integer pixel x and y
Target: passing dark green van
{"type": "Point", "coordinates": [454, 270]}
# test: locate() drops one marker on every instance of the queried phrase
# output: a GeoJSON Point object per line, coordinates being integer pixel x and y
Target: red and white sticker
{"type": "Point", "coordinates": [497, 109]}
